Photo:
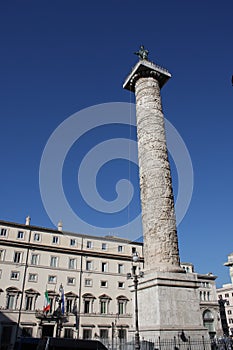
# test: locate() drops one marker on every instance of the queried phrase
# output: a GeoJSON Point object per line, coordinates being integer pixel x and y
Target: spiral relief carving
{"type": "Point", "coordinates": [92, 165]}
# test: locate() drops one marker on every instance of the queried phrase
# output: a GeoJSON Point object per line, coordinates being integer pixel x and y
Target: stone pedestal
{"type": "Point", "coordinates": [169, 304]}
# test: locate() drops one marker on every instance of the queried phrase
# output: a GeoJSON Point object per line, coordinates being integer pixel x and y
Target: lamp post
{"type": "Point", "coordinates": [59, 312]}
{"type": "Point", "coordinates": [135, 277]}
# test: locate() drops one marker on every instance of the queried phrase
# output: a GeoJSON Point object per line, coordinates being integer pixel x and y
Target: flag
{"type": "Point", "coordinates": [46, 302]}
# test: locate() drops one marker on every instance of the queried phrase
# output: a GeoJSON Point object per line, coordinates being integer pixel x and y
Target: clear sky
{"type": "Point", "coordinates": [59, 57]}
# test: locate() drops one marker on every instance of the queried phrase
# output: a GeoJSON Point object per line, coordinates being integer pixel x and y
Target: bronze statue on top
{"type": "Point", "coordinates": [142, 53]}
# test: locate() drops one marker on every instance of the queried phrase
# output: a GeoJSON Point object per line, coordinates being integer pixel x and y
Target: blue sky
{"type": "Point", "coordinates": [58, 57]}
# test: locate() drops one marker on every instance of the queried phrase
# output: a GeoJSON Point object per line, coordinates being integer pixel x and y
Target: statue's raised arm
{"type": "Point", "coordinates": [142, 53]}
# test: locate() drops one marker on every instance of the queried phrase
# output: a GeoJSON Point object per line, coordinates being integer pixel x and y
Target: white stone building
{"type": "Point", "coordinates": [226, 293]}
{"type": "Point", "coordinates": [93, 272]}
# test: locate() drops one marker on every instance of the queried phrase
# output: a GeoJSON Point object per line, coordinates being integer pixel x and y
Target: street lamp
{"type": "Point", "coordinates": [135, 277]}
{"type": "Point", "coordinates": [59, 312]}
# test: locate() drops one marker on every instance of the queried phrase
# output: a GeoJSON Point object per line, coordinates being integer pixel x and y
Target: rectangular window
{"type": "Point", "coordinates": [103, 333]}
{"type": "Point", "coordinates": [36, 237]}
{"type": "Point", "coordinates": [122, 333]}
{"type": "Point", "coordinates": [226, 295]}
{"type": "Point", "coordinates": [17, 257]}
{"type": "Point", "coordinates": [87, 334]}
{"type": "Point", "coordinates": [34, 259]}
{"type": "Point", "coordinates": [121, 308]}
{"type": "Point", "coordinates": [88, 282]}
{"type": "Point", "coordinates": [88, 265]}
{"type": "Point", "coordinates": [72, 244]}
{"type": "Point", "coordinates": [120, 249]}
{"type": "Point", "coordinates": [229, 312]}
{"type": "Point", "coordinates": [2, 254]}
{"type": "Point", "coordinates": [53, 261]}
{"type": "Point", "coordinates": [32, 277]}
{"type": "Point", "coordinates": [52, 279]}
{"type": "Point", "coordinates": [104, 246]}
{"type": "Point", "coordinates": [104, 267]}
{"type": "Point", "coordinates": [72, 263]}
{"type": "Point", "coordinates": [103, 306]}
{"type": "Point", "coordinates": [121, 285]}
{"type": "Point", "coordinates": [0, 273]}
{"type": "Point", "coordinates": [71, 281]}
{"type": "Point", "coordinates": [55, 240]}
{"type": "Point", "coordinates": [133, 250]}
{"type": "Point", "coordinates": [27, 332]}
{"type": "Point", "coordinates": [103, 284]}
{"type": "Point", "coordinates": [89, 244]}
{"type": "Point", "coordinates": [3, 232]}
{"type": "Point", "coordinates": [20, 235]}
{"type": "Point", "coordinates": [14, 275]}
{"type": "Point", "coordinates": [10, 302]}
{"type": "Point", "coordinates": [68, 333]}
{"type": "Point", "coordinates": [29, 303]}
{"type": "Point", "coordinates": [87, 305]}
{"type": "Point", "coordinates": [120, 268]}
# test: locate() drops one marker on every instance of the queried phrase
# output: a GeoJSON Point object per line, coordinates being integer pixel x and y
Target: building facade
{"type": "Point", "coordinates": [89, 272]}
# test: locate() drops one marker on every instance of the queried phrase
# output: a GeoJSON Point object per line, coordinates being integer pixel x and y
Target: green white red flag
{"type": "Point", "coordinates": [46, 302]}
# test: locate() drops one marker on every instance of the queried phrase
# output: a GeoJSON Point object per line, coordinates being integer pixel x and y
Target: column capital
{"type": "Point", "coordinates": [146, 69]}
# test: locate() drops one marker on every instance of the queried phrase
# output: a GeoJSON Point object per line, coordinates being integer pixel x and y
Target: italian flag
{"type": "Point", "coordinates": [46, 302]}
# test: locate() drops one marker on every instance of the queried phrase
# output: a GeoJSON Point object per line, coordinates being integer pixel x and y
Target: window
{"type": "Point", "coordinates": [17, 257]}
{"type": "Point", "coordinates": [104, 267]}
{"type": "Point", "coordinates": [34, 259]}
{"type": "Point", "coordinates": [88, 265]}
{"type": "Point", "coordinates": [32, 277]}
{"type": "Point", "coordinates": [103, 333]}
{"type": "Point", "coordinates": [122, 333]}
{"type": "Point", "coordinates": [2, 254]}
{"type": "Point", "coordinates": [29, 303]}
{"type": "Point", "coordinates": [87, 334]}
{"type": "Point", "coordinates": [0, 273]}
{"type": "Point", "coordinates": [20, 235]}
{"type": "Point", "coordinates": [36, 237]}
{"type": "Point", "coordinates": [226, 295]}
{"type": "Point", "coordinates": [55, 240]}
{"type": "Point", "coordinates": [68, 333]}
{"type": "Point", "coordinates": [87, 306]}
{"type": "Point", "coordinates": [120, 249]}
{"type": "Point", "coordinates": [104, 246]}
{"type": "Point", "coordinates": [52, 279]}
{"type": "Point", "coordinates": [103, 284]}
{"type": "Point", "coordinates": [27, 332]}
{"type": "Point", "coordinates": [53, 261]}
{"type": "Point", "coordinates": [121, 285]}
{"type": "Point", "coordinates": [72, 263]}
{"type": "Point", "coordinates": [72, 244]}
{"type": "Point", "coordinates": [69, 305]}
{"type": "Point", "coordinates": [10, 304]}
{"type": "Point", "coordinates": [103, 306]}
{"type": "Point", "coordinates": [89, 244]}
{"type": "Point", "coordinates": [88, 282]}
{"type": "Point", "coordinates": [122, 302]}
{"type": "Point", "coordinates": [3, 232]}
{"type": "Point", "coordinates": [71, 281]}
{"type": "Point", "coordinates": [120, 268]}
{"type": "Point", "coordinates": [14, 275]}
{"type": "Point", "coordinates": [88, 301]}
{"type": "Point", "coordinates": [229, 312]}
{"type": "Point", "coordinates": [133, 250]}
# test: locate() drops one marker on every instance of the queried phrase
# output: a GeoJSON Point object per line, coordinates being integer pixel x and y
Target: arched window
{"type": "Point", "coordinates": [208, 321]}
